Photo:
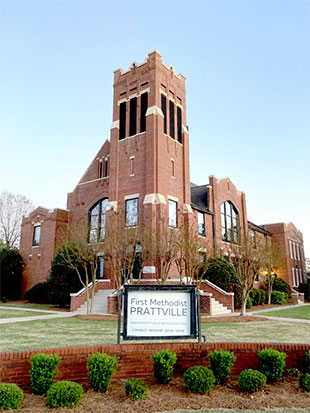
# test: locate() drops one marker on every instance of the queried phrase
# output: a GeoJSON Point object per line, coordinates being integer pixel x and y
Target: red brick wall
{"type": "Point", "coordinates": [134, 360]}
{"type": "Point", "coordinates": [282, 234]}
{"type": "Point", "coordinates": [37, 259]}
{"type": "Point", "coordinates": [222, 190]}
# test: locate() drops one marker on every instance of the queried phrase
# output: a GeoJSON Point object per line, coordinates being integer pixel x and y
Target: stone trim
{"type": "Point", "coordinates": [154, 199]}
{"type": "Point", "coordinates": [112, 206]}
{"type": "Point", "coordinates": [115, 124]}
{"type": "Point", "coordinates": [154, 110]}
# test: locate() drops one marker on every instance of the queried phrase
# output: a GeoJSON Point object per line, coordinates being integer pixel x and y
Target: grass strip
{"type": "Point", "coordinates": [65, 332]}
{"type": "Point", "coordinates": [302, 313]}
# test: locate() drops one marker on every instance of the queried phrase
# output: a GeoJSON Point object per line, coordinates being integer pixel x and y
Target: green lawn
{"type": "Point", "coordinates": [61, 332]}
{"type": "Point", "coordinates": [12, 313]}
{"type": "Point", "coordinates": [302, 312]}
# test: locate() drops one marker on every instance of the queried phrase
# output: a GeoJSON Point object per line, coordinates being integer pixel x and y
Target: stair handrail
{"type": "Point", "coordinates": [217, 288]}
{"type": "Point", "coordinates": [84, 289]}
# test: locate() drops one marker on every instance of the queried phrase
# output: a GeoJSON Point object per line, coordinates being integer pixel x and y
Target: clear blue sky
{"type": "Point", "coordinates": [247, 65]}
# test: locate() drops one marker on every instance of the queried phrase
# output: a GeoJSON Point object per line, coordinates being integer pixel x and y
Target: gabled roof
{"type": "Point", "coordinates": [199, 197]}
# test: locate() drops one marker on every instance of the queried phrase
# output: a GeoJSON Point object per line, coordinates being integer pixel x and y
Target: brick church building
{"type": "Point", "coordinates": [144, 170]}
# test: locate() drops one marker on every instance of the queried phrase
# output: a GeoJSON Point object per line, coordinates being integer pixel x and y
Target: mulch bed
{"type": "Point", "coordinates": [166, 398]}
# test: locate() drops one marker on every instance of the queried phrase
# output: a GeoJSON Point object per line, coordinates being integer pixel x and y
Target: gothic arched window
{"type": "Point", "coordinates": [97, 221]}
{"type": "Point", "coordinates": [229, 222]}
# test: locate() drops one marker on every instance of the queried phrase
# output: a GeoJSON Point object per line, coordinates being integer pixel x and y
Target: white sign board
{"type": "Point", "coordinates": [158, 313]}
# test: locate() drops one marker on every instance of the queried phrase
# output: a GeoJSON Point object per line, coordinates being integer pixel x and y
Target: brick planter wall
{"type": "Point", "coordinates": [134, 360]}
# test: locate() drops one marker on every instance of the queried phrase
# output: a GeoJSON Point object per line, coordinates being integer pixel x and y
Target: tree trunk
{"type": "Point", "coordinates": [87, 298]}
{"type": "Point", "coordinates": [269, 294]}
{"type": "Point", "coordinates": [93, 288]}
{"type": "Point", "coordinates": [243, 302]}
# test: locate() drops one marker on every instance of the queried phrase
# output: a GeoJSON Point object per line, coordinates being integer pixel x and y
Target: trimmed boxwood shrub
{"type": "Point", "coordinates": [304, 381]}
{"type": "Point", "coordinates": [38, 293]}
{"type": "Point", "coordinates": [254, 295]}
{"type": "Point", "coordinates": [11, 396]}
{"type": "Point", "coordinates": [278, 297]}
{"type": "Point", "coordinates": [258, 296]}
{"type": "Point", "coordinates": [248, 303]}
{"type": "Point", "coordinates": [262, 296]}
{"type": "Point", "coordinates": [163, 365]}
{"type": "Point", "coordinates": [64, 394]}
{"type": "Point", "coordinates": [221, 363]}
{"type": "Point", "coordinates": [251, 380]}
{"type": "Point", "coordinates": [136, 389]}
{"type": "Point", "coordinates": [307, 362]}
{"type": "Point", "coordinates": [281, 285]}
{"type": "Point", "coordinates": [199, 379]}
{"type": "Point", "coordinates": [42, 372]}
{"type": "Point", "coordinates": [101, 368]}
{"type": "Point", "coordinates": [272, 364]}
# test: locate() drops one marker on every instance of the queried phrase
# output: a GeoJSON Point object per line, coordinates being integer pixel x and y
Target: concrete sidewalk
{"type": "Point", "coordinates": [49, 314]}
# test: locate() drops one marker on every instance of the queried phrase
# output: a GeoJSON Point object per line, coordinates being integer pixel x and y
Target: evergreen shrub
{"type": "Point", "coordinates": [281, 285]}
{"type": "Point", "coordinates": [304, 381]}
{"type": "Point", "coordinates": [37, 293]}
{"type": "Point", "coordinates": [64, 280]}
{"type": "Point", "coordinates": [199, 379]}
{"type": "Point", "coordinates": [272, 364]}
{"type": "Point", "coordinates": [307, 362]}
{"type": "Point", "coordinates": [64, 394]}
{"type": "Point", "coordinates": [248, 303]}
{"type": "Point", "coordinates": [101, 368]}
{"type": "Point", "coordinates": [11, 396]}
{"type": "Point", "coordinates": [251, 380]}
{"type": "Point", "coordinates": [258, 296]}
{"type": "Point", "coordinates": [11, 265]}
{"type": "Point", "coordinates": [278, 297]}
{"type": "Point", "coordinates": [42, 372]}
{"type": "Point", "coordinates": [163, 365]}
{"type": "Point", "coordinates": [136, 389]}
{"type": "Point", "coordinates": [221, 363]}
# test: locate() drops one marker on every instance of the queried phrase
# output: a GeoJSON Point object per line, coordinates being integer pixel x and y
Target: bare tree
{"type": "Point", "coordinates": [248, 258]}
{"type": "Point", "coordinates": [160, 249]}
{"type": "Point", "coordinates": [125, 248]}
{"type": "Point", "coordinates": [192, 255]}
{"type": "Point", "coordinates": [12, 209]}
{"type": "Point", "coordinates": [81, 256]}
{"type": "Point", "coordinates": [274, 260]}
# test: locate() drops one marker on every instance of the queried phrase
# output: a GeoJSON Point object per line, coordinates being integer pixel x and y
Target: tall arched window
{"type": "Point", "coordinates": [229, 222]}
{"type": "Point", "coordinates": [97, 221]}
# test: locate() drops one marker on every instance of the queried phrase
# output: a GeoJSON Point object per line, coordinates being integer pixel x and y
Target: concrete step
{"type": "Point", "coordinates": [100, 305]}
{"type": "Point", "coordinates": [217, 308]}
